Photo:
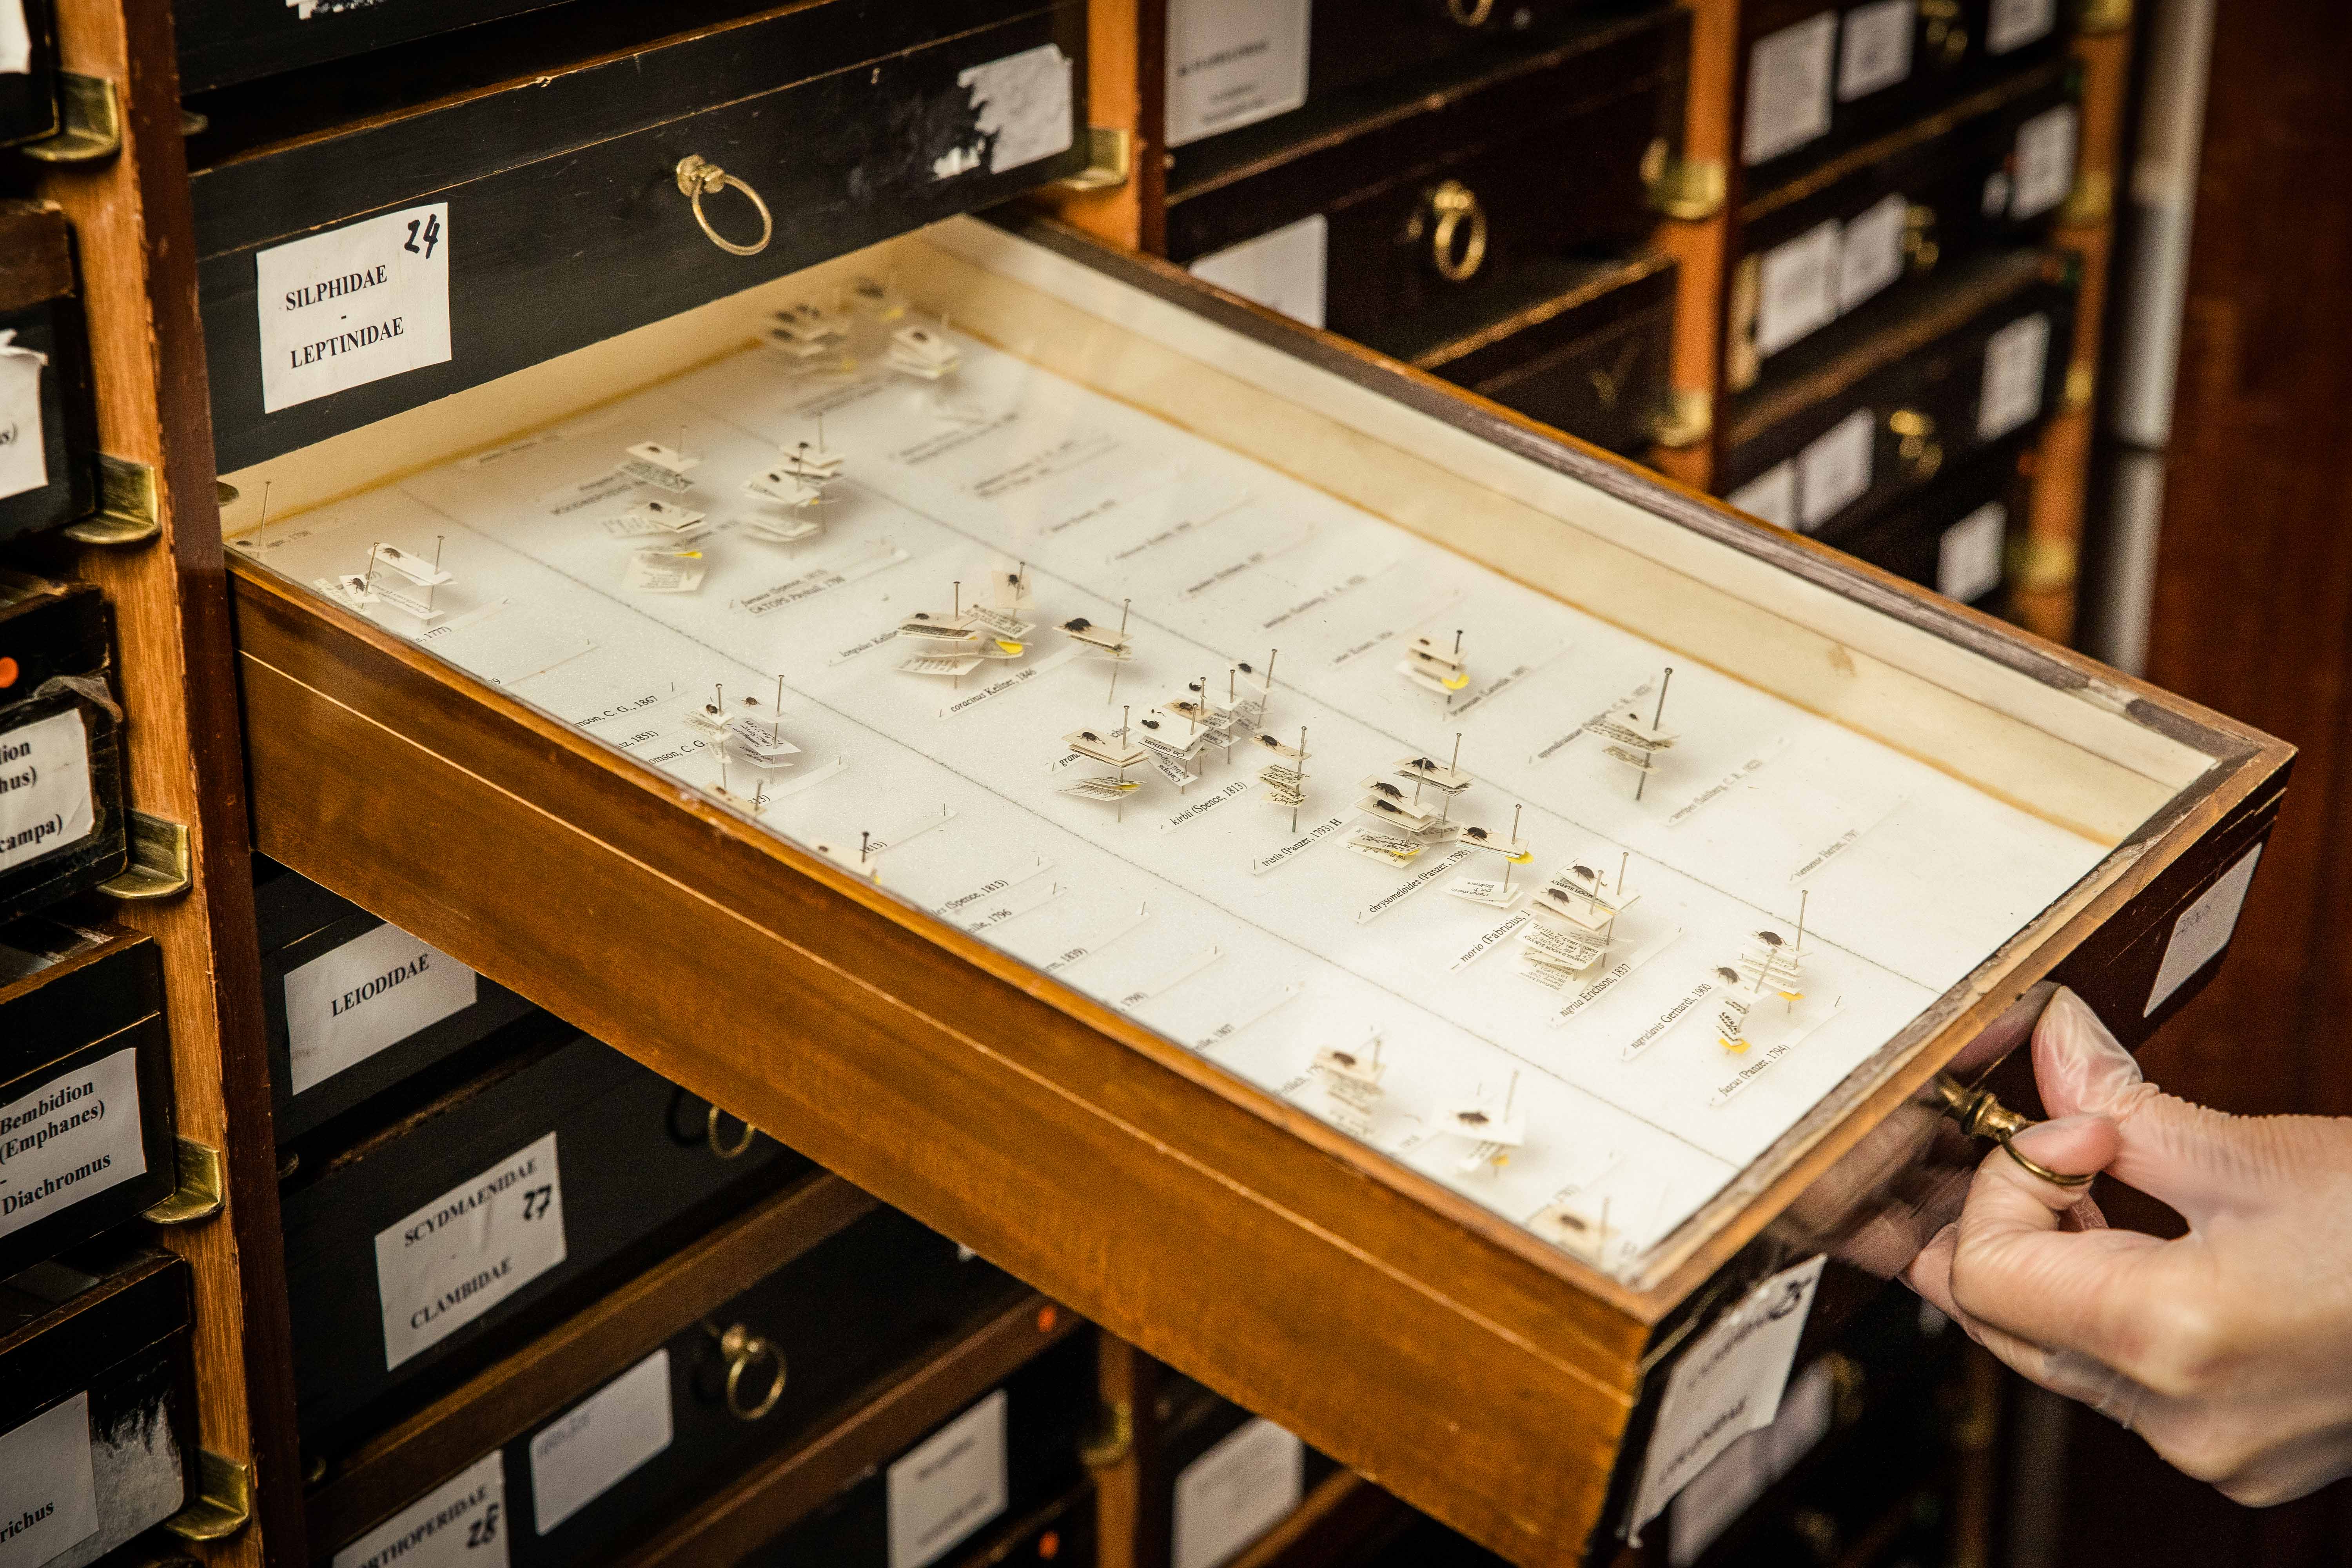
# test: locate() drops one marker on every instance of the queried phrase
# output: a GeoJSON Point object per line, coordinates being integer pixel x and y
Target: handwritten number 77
{"type": "Point", "coordinates": [537, 1201]}
{"type": "Point", "coordinates": [431, 235]}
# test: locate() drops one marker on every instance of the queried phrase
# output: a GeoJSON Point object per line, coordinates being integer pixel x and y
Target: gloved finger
{"type": "Point", "coordinates": [2066, 1372]}
{"type": "Point", "coordinates": [2078, 1066]}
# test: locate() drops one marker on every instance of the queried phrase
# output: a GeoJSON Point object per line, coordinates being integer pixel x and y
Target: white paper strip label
{"type": "Point", "coordinates": [1725, 1386]}
{"type": "Point", "coordinates": [352, 305]}
{"type": "Point", "coordinates": [1771, 495]}
{"type": "Point", "coordinates": [1024, 101]}
{"type": "Point", "coordinates": [373, 992]}
{"type": "Point", "coordinates": [1876, 52]}
{"type": "Point", "coordinates": [15, 40]}
{"type": "Point", "coordinates": [2203, 929]}
{"type": "Point", "coordinates": [1232, 63]}
{"type": "Point", "coordinates": [468, 1250]}
{"type": "Point", "coordinates": [1721, 1492]}
{"type": "Point", "coordinates": [2016, 23]}
{"type": "Point", "coordinates": [2045, 162]}
{"type": "Point", "coordinates": [950, 1486]}
{"type": "Point", "coordinates": [460, 1524]}
{"type": "Point", "coordinates": [1872, 256]}
{"type": "Point", "coordinates": [1282, 270]}
{"type": "Point", "coordinates": [1235, 1492]}
{"type": "Point", "coordinates": [1834, 470]}
{"type": "Point", "coordinates": [71, 1138]}
{"type": "Point", "coordinates": [24, 460]}
{"type": "Point", "coordinates": [1789, 88]}
{"type": "Point", "coordinates": [2012, 376]}
{"type": "Point", "coordinates": [47, 1498]}
{"type": "Point", "coordinates": [1799, 288]}
{"type": "Point", "coordinates": [45, 799]}
{"type": "Point", "coordinates": [575, 1459]}
{"type": "Point", "coordinates": [1969, 555]}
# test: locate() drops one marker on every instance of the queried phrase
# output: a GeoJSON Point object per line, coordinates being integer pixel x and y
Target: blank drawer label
{"type": "Point", "coordinates": [575, 1460]}
{"type": "Point", "coordinates": [950, 1486]}
{"type": "Point", "coordinates": [2016, 23]}
{"type": "Point", "coordinates": [460, 1524]}
{"type": "Point", "coordinates": [24, 460]}
{"type": "Point", "coordinates": [1022, 104]}
{"type": "Point", "coordinates": [1232, 63]}
{"type": "Point", "coordinates": [468, 1250]}
{"type": "Point", "coordinates": [2203, 929]}
{"type": "Point", "coordinates": [73, 1137]}
{"type": "Point", "coordinates": [2012, 376]}
{"type": "Point", "coordinates": [1282, 270]}
{"type": "Point", "coordinates": [352, 305]}
{"type": "Point", "coordinates": [1833, 472]}
{"type": "Point", "coordinates": [45, 799]}
{"type": "Point", "coordinates": [15, 40]}
{"type": "Point", "coordinates": [2045, 162]}
{"type": "Point", "coordinates": [1877, 50]}
{"type": "Point", "coordinates": [1969, 555]}
{"type": "Point", "coordinates": [1235, 1492]}
{"type": "Point", "coordinates": [373, 992]}
{"type": "Point", "coordinates": [1789, 88]}
{"type": "Point", "coordinates": [47, 1498]}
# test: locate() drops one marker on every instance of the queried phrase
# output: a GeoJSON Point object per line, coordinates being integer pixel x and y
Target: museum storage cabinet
{"type": "Point", "coordinates": [1277, 900]}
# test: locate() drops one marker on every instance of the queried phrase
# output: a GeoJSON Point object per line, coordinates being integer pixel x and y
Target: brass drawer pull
{"type": "Point", "coordinates": [1980, 1115]}
{"type": "Point", "coordinates": [1455, 205]}
{"type": "Point", "coordinates": [726, 1152]}
{"type": "Point", "coordinates": [1471, 14]}
{"type": "Point", "coordinates": [742, 1349]}
{"type": "Point", "coordinates": [699, 177]}
{"type": "Point", "coordinates": [1917, 447]}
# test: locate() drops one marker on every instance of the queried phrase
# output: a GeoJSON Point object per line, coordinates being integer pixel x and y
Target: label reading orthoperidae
{"type": "Point", "coordinates": [473, 1247]}
{"type": "Point", "coordinates": [352, 305]}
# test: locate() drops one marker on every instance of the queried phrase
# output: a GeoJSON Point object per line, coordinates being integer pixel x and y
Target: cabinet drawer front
{"type": "Point", "coordinates": [556, 240]}
{"type": "Point", "coordinates": [226, 41]}
{"type": "Point", "coordinates": [1917, 540]}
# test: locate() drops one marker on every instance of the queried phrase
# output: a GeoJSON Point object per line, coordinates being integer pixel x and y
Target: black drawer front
{"type": "Point", "coordinates": [636, 1173]}
{"type": "Point", "coordinates": [564, 223]}
{"type": "Point", "coordinates": [828, 1322]}
{"type": "Point", "coordinates": [1351, 42]}
{"type": "Point", "coordinates": [1063, 1533]}
{"type": "Point", "coordinates": [1217, 1475]}
{"type": "Point", "coordinates": [62, 828]}
{"type": "Point", "coordinates": [1457, 188]}
{"type": "Point", "coordinates": [49, 473]}
{"type": "Point", "coordinates": [1046, 1409]}
{"type": "Point", "coordinates": [1994, 180]}
{"type": "Point", "coordinates": [29, 104]}
{"type": "Point", "coordinates": [84, 1087]}
{"type": "Point", "coordinates": [226, 41]}
{"type": "Point", "coordinates": [1953, 538]}
{"type": "Point", "coordinates": [356, 985]}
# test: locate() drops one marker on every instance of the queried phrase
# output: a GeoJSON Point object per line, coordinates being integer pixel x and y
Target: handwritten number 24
{"type": "Point", "coordinates": [428, 229]}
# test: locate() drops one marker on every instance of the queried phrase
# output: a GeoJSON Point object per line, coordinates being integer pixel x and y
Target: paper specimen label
{"type": "Point", "coordinates": [1875, 51]}
{"type": "Point", "coordinates": [1282, 270]}
{"type": "Point", "coordinates": [1741, 1473]}
{"type": "Point", "coordinates": [1022, 101]}
{"type": "Point", "coordinates": [44, 798]}
{"type": "Point", "coordinates": [1798, 294]}
{"type": "Point", "coordinates": [1789, 88]}
{"type": "Point", "coordinates": [1771, 495]}
{"type": "Point", "coordinates": [352, 305]}
{"type": "Point", "coordinates": [1834, 470]}
{"type": "Point", "coordinates": [1235, 1492]}
{"type": "Point", "coordinates": [947, 1485]}
{"type": "Point", "coordinates": [2203, 929]}
{"type": "Point", "coordinates": [1232, 63]}
{"type": "Point", "coordinates": [49, 1499]}
{"type": "Point", "coordinates": [2045, 162]}
{"type": "Point", "coordinates": [473, 1247]}
{"type": "Point", "coordinates": [374, 991]}
{"type": "Point", "coordinates": [2012, 376]}
{"type": "Point", "coordinates": [15, 40]}
{"type": "Point", "coordinates": [2016, 23]}
{"type": "Point", "coordinates": [1872, 256]}
{"type": "Point", "coordinates": [75, 1136]}
{"type": "Point", "coordinates": [460, 1524]}
{"type": "Point", "coordinates": [577, 1457]}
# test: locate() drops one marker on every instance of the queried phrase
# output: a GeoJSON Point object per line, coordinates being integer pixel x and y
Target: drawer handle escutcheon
{"type": "Point", "coordinates": [1455, 205]}
{"type": "Point", "coordinates": [743, 1349]}
{"type": "Point", "coordinates": [725, 1151]}
{"type": "Point", "coordinates": [699, 177]}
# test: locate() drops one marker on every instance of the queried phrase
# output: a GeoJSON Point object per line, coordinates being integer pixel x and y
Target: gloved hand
{"type": "Point", "coordinates": [2230, 1350]}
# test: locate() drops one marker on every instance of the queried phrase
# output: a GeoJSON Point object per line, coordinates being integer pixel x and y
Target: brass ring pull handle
{"type": "Point", "coordinates": [1472, 15]}
{"type": "Point", "coordinates": [1980, 1115]}
{"type": "Point", "coordinates": [1920, 249]}
{"type": "Point", "coordinates": [1917, 447]}
{"type": "Point", "coordinates": [742, 1146]}
{"type": "Point", "coordinates": [699, 177]}
{"type": "Point", "coordinates": [1455, 205]}
{"type": "Point", "coordinates": [743, 1349]}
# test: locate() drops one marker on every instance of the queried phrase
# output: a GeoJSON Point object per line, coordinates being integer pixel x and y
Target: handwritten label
{"type": "Point", "coordinates": [473, 1247]}
{"type": "Point", "coordinates": [44, 796]}
{"type": "Point", "coordinates": [578, 1457]}
{"type": "Point", "coordinates": [370, 993]}
{"type": "Point", "coordinates": [1608, 979]}
{"type": "Point", "coordinates": [460, 1524]}
{"type": "Point", "coordinates": [1490, 940]}
{"type": "Point", "coordinates": [1765, 1058]}
{"type": "Point", "coordinates": [1729, 783]}
{"type": "Point", "coordinates": [1282, 270]}
{"type": "Point", "coordinates": [2203, 929]}
{"type": "Point", "coordinates": [48, 1498]}
{"type": "Point", "coordinates": [74, 1137]}
{"type": "Point", "coordinates": [352, 305]}
{"type": "Point", "coordinates": [1232, 63]}
{"type": "Point", "coordinates": [1207, 803]}
{"type": "Point", "coordinates": [1012, 681]}
{"type": "Point", "coordinates": [1243, 1487]}
{"type": "Point", "coordinates": [949, 1485]}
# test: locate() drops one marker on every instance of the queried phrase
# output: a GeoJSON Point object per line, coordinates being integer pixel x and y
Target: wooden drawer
{"type": "Point", "coordinates": [633, 1166]}
{"type": "Point", "coordinates": [1582, 346]}
{"type": "Point", "coordinates": [372, 1005]}
{"type": "Point", "coordinates": [222, 42]}
{"type": "Point", "coordinates": [48, 427]}
{"type": "Point", "coordinates": [97, 1402]}
{"type": "Point", "coordinates": [875, 126]}
{"type": "Point", "coordinates": [62, 827]}
{"type": "Point", "coordinates": [1870, 411]}
{"type": "Point", "coordinates": [1954, 537]}
{"type": "Point", "coordinates": [886, 978]}
{"type": "Point", "coordinates": [1456, 184]}
{"type": "Point", "coordinates": [1989, 173]}
{"type": "Point", "coordinates": [29, 98]}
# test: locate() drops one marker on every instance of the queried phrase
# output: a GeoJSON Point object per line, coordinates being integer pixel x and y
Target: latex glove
{"type": "Point", "coordinates": [2230, 1350]}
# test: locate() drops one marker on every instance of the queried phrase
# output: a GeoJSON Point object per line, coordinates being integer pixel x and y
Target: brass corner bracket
{"type": "Point", "coordinates": [162, 863]}
{"type": "Point", "coordinates": [90, 122]}
{"type": "Point", "coordinates": [1690, 190]}
{"type": "Point", "coordinates": [129, 511]}
{"type": "Point", "coordinates": [199, 1189]}
{"type": "Point", "coordinates": [1111, 160]}
{"type": "Point", "coordinates": [1686, 420]}
{"type": "Point", "coordinates": [223, 1504]}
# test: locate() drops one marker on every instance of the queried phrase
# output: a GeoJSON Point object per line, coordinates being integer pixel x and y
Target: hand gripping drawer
{"type": "Point", "coordinates": [354, 270]}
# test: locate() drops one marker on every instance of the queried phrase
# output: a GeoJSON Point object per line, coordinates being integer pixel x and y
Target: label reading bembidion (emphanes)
{"type": "Point", "coordinates": [473, 1247]}
{"type": "Point", "coordinates": [352, 305]}
{"type": "Point", "coordinates": [44, 796]}
{"type": "Point", "coordinates": [373, 992]}
{"type": "Point", "coordinates": [71, 1139]}
{"type": "Point", "coordinates": [460, 1524]}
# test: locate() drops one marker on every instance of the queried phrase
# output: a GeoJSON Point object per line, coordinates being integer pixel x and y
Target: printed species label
{"type": "Point", "coordinates": [460, 1524]}
{"type": "Point", "coordinates": [468, 1250]}
{"type": "Point", "coordinates": [2012, 376]}
{"type": "Point", "coordinates": [48, 1500]}
{"type": "Point", "coordinates": [373, 992]}
{"type": "Point", "coordinates": [2202, 930]}
{"type": "Point", "coordinates": [1789, 88]}
{"type": "Point", "coordinates": [1235, 1492]}
{"type": "Point", "coordinates": [1967, 557]}
{"type": "Point", "coordinates": [45, 799]}
{"type": "Point", "coordinates": [1232, 63]}
{"type": "Point", "coordinates": [352, 305]}
{"type": "Point", "coordinates": [24, 458]}
{"type": "Point", "coordinates": [949, 1485]}
{"type": "Point", "coordinates": [72, 1137]}
{"type": "Point", "coordinates": [1282, 270]}
{"type": "Point", "coordinates": [575, 1459]}
{"type": "Point", "coordinates": [1876, 52]}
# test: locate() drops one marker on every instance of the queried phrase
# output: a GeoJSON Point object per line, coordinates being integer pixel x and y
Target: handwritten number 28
{"type": "Point", "coordinates": [431, 235]}
{"type": "Point", "coordinates": [485, 1530]}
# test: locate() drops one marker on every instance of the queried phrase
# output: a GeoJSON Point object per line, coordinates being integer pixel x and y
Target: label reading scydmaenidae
{"type": "Point", "coordinates": [373, 992]}
{"type": "Point", "coordinates": [460, 1524]}
{"type": "Point", "coordinates": [468, 1250]}
{"type": "Point", "coordinates": [352, 305]}
{"type": "Point", "coordinates": [73, 1137]}
{"type": "Point", "coordinates": [45, 799]}
{"type": "Point", "coordinates": [48, 1498]}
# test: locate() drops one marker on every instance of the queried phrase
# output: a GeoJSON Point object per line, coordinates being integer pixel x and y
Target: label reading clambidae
{"type": "Point", "coordinates": [1771, 495]}
{"type": "Point", "coordinates": [45, 799]}
{"type": "Point", "coordinates": [1872, 256]}
{"type": "Point", "coordinates": [949, 1485]}
{"type": "Point", "coordinates": [1232, 63]}
{"type": "Point", "coordinates": [75, 1136]}
{"type": "Point", "coordinates": [575, 1458]}
{"type": "Point", "coordinates": [1798, 289]}
{"type": "Point", "coordinates": [468, 1250]}
{"type": "Point", "coordinates": [1282, 270]}
{"type": "Point", "coordinates": [1876, 52]}
{"type": "Point", "coordinates": [2016, 23]}
{"type": "Point", "coordinates": [1726, 1384]}
{"type": "Point", "coordinates": [1968, 556]}
{"type": "Point", "coordinates": [352, 305]}
{"type": "Point", "coordinates": [47, 1498]}
{"type": "Point", "coordinates": [1834, 469]}
{"type": "Point", "coordinates": [2045, 162]}
{"type": "Point", "coordinates": [460, 1524]}
{"type": "Point", "coordinates": [2012, 376]}
{"type": "Point", "coordinates": [373, 992]}
{"type": "Point", "coordinates": [2203, 929]}
{"type": "Point", "coordinates": [23, 456]}
{"type": "Point", "coordinates": [1235, 1492]}
{"type": "Point", "coordinates": [1789, 88]}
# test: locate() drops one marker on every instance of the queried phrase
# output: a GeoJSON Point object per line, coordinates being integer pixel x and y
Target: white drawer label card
{"type": "Point", "coordinates": [1771, 495]}
{"type": "Point", "coordinates": [373, 992]}
{"type": "Point", "coordinates": [460, 1524]}
{"type": "Point", "coordinates": [1232, 63]}
{"type": "Point", "coordinates": [1235, 1492]}
{"type": "Point", "coordinates": [1727, 1385]}
{"type": "Point", "coordinates": [1024, 101]}
{"type": "Point", "coordinates": [1720, 1494]}
{"type": "Point", "coordinates": [576, 1457]}
{"type": "Point", "coordinates": [1835, 468]}
{"type": "Point", "coordinates": [352, 305]}
{"type": "Point", "coordinates": [2045, 162]}
{"type": "Point", "coordinates": [45, 799]}
{"type": "Point", "coordinates": [1876, 52]}
{"type": "Point", "coordinates": [24, 458]}
{"type": "Point", "coordinates": [76, 1135]}
{"type": "Point", "coordinates": [1282, 270]}
{"type": "Point", "coordinates": [15, 40]}
{"type": "Point", "coordinates": [1968, 556]}
{"type": "Point", "coordinates": [2012, 376]}
{"type": "Point", "coordinates": [1797, 288]}
{"type": "Point", "coordinates": [49, 1499]}
{"type": "Point", "coordinates": [1789, 88]}
{"type": "Point", "coordinates": [468, 1250]}
{"type": "Point", "coordinates": [1872, 254]}
{"type": "Point", "coordinates": [949, 1485]}
{"type": "Point", "coordinates": [2016, 23]}
{"type": "Point", "coordinates": [2203, 929]}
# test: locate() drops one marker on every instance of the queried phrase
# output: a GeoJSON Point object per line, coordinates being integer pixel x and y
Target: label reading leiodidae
{"type": "Point", "coordinates": [373, 992]}
{"type": "Point", "coordinates": [578, 1457]}
{"type": "Point", "coordinates": [468, 1250]}
{"type": "Point", "coordinates": [949, 1485]}
{"type": "Point", "coordinates": [23, 456]}
{"type": "Point", "coordinates": [1232, 63]}
{"type": "Point", "coordinates": [48, 1498]}
{"type": "Point", "coordinates": [352, 305]}
{"type": "Point", "coordinates": [460, 1524]}
{"type": "Point", "coordinates": [45, 797]}
{"type": "Point", "coordinates": [1789, 88]}
{"type": "Point", "coordinates": [73, 1137]}
{"type": "Point", "coordinates": [1235, 1492]}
